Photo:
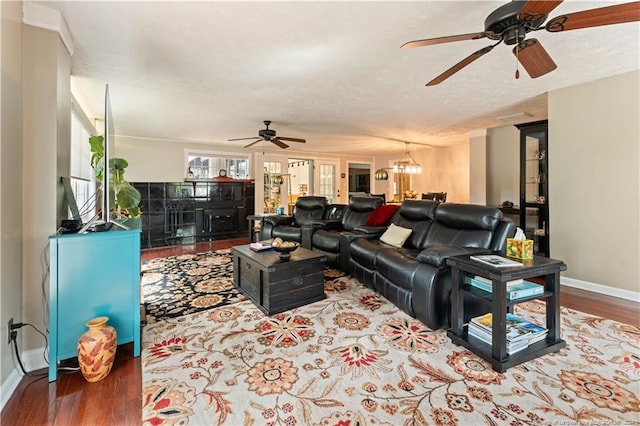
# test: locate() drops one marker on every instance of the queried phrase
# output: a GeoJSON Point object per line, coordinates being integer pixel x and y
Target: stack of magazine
{"type": "Point", "coordinates": [520, 332]}
{"type": "Point", "coordinates": [516, 289]}
{"type": "Point", "coordinates": [260, 245]}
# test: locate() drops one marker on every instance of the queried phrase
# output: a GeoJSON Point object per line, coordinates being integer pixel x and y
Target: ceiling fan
{"type": "Point", "coordinates": [269, 135]}
{"type": "Point", "coordinates": [511, 22]}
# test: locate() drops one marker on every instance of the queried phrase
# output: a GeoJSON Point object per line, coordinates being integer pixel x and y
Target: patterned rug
{"type": "Point", "coordinates": [180, 285]}
{"type": "Point", "coordinates": [354, 358]}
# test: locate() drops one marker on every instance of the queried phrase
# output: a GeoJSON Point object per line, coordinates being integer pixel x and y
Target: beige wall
{"type": "Point", "coordinates": [478, 167]}
{"type": "Point", "coordinates": [503, 165]}
{"type": "Point", "coordinates": [444, 169]}
{"type": "Point", "coordinates": [11, 87]}
{"type": "Point", "coordinates": [47, 121]}
{"type": "Point", "coordinates": [594, 183]}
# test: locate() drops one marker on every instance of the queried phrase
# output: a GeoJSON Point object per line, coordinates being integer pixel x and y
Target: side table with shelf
{"type": "Point", "coordinates": [496, 353]}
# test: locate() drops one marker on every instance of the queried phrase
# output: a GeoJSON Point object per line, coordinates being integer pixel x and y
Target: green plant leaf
{"type": "Point", "coordinates": [127, 196]}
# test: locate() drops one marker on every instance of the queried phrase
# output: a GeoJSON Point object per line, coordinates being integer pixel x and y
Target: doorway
{"type": "Point", "coordinates": [359, 178]}
{"type": "Point", "coordinates": [299, 180]}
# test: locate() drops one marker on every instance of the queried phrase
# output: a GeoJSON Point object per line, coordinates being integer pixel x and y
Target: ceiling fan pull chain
{"type": "Point", "coordinates": [517, 61]}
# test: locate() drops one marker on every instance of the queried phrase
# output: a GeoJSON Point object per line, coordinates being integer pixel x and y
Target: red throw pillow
{"type": "Point", "coordinates": [381, 215]}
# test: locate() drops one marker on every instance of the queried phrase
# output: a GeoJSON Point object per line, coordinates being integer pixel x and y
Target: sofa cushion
{"type": "Point", "coordinates": [395, 235]}
{"type": "Point", "coordinates": [381, 215]}
{"type": "Point", "coordinates": [468, 216]}
{"type": "Point", "coordinates": [326, 240]}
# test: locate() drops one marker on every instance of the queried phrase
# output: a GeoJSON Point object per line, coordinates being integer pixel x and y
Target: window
{"type": "Point", "coordinates": [204, 166]}
{"type": "Point", "coordinates": [83, 182]}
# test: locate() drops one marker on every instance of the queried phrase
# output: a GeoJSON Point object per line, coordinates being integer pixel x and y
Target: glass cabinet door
{"type": "Point", "coordinates": [534, 188]}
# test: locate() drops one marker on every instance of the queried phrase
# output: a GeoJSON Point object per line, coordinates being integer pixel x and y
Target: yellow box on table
{"type": "Point", "coordinates": [519, 249]}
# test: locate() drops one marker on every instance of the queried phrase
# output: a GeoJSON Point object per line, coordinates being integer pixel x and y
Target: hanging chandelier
{"type": "Point", "coordinates": [407, 164]}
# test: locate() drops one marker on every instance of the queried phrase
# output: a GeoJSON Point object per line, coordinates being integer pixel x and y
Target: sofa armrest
{"type": "Point", "coordinates": [437, 255]}
{"type": "Point", "coordinates": [346, 238]}
{"type": "Point", "coordinates": [277, 220]}
{"type": "Point", "coordinates": [370, 230]}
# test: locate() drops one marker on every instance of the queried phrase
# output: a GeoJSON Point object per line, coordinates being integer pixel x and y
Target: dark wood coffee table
{"type": "Point", "coordinates": [275, 285]}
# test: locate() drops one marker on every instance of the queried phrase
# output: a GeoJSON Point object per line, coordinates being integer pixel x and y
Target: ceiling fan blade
{"type": "Point", "coordinates": [457, 67]}
{"type": "Point", "coordinates": [609, 15]}
{"type": "Point", "coordinates": [448, 39]}
{"type": "Point", "coordinates": [538, 7]}
{"type": "Point", "coordinates": [534, 58]}
{"type": "Point", "coordinates": [243, 139]}
{"type": "Point", "coordinates": [282, 138]}
{"type": "Point", "coordinates": [279, 143]}
{"type": "Point", "coordinates": [252, 143]}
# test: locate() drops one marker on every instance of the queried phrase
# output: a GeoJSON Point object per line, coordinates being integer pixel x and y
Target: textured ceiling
{"type": "Point", "coordinates": [330, 72]}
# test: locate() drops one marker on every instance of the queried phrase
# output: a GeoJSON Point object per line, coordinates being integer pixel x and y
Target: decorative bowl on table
{"type": "Point", "coordinates": [284, 247]}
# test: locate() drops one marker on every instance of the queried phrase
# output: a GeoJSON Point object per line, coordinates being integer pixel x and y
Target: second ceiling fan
{"type": "Point", "coordinates": [269, 135]}
{"type": "Point", "coordinates": [511, 22]}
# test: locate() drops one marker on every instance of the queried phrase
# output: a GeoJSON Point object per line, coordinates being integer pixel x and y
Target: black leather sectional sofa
{"type": "Point", "coordinates": [415, 277]}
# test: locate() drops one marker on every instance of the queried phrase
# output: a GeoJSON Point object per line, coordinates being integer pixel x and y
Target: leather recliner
{"type": "Point", "coordinates": [307, 210]}
{"type": "Point", "coordinates": [361, 260]}
{"type": "Point", "coordinates": [415, 277]}
{"type": "Point", "coordinates": [325, 235]}
{"type": "Point", "coordinates": [289, 227]}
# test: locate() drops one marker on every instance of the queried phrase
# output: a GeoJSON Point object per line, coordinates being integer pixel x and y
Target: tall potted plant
{"type": "Point", "coordinates": [122, 195]}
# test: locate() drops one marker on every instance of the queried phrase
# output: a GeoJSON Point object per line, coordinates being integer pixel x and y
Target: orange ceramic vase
{"type": "Point", "coordinates": [97, 349]}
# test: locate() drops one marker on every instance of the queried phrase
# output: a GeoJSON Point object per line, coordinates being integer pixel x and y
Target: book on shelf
{"type": "Point", "coordinates": [517, 328]}
{"type": "Point", "coordinates": [515, 289]}
{"type": "Point", "coordinates": [495, 260]}
{"type": "Point", "coordinates": [488, 281]}
{"type": "Point", "coordinates": [512, 347]}
{"type": "Point", "coordinates": [260, 245]}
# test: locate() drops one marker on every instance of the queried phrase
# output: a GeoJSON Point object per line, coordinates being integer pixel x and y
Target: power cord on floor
{"type": "Point", "coordinates": [14, 338]}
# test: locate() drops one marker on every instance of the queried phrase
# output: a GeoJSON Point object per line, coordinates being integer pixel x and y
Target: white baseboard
{"type": "Point", "coordinates": [9, 386]}
{"type": "Point", "coordinates": [31, 360]}
{"type": "Point", "coordinates": [601, 289]}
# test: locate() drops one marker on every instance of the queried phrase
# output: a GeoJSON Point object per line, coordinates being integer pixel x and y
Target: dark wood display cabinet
{"type": "Point", "coordinates": [534, 184]}
{"type": "Point", "coordinates": [175, 213]}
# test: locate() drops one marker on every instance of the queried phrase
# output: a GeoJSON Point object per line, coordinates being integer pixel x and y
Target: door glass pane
{"type": "Point", "coordinates": [273, 181]}
{"type": "Point", "coordinates": [327, 186]}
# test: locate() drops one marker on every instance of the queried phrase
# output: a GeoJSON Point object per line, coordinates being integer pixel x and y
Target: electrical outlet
{"type": "Point", "coordinates": [9, 330]}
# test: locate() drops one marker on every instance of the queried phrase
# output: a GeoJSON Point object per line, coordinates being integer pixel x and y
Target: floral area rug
{"type": "Point", "coordinates": [180, 285]}
{"type": "Point", "coordinates": [355, 359]}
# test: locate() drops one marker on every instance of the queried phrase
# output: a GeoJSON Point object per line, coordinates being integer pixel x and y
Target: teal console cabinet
{"type": "Point", "coordinates": [92, 274]}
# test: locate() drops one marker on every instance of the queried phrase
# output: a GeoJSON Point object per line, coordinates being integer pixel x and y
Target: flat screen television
{"type": "Point", "coordinates": [108, 145]}
{"type": "Point", "coordinates": [102, 220]}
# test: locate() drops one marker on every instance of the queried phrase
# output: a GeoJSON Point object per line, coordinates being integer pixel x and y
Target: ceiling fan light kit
{"type": "Point", "coordinates": [269, 135]}
{"type": "Point", "coordinates": [510, 24]}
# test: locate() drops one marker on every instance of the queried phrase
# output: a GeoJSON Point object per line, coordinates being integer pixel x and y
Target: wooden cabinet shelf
{"type": "Point", "coordinates": [534, 196]}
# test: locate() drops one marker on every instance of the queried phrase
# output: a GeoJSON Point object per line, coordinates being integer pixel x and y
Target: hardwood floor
{"type": "Point", "coordinates": [116, 400]}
